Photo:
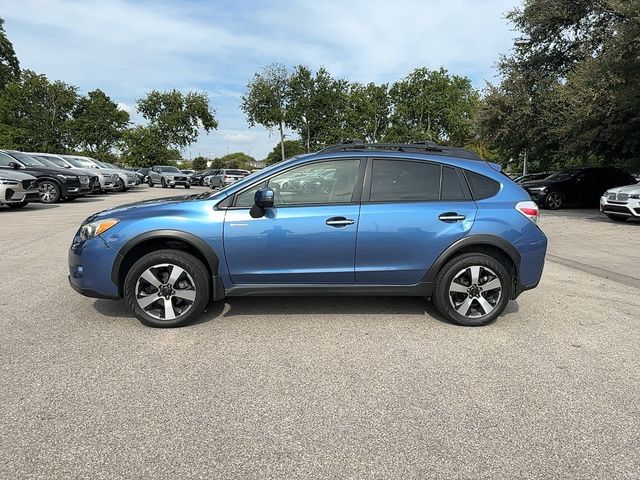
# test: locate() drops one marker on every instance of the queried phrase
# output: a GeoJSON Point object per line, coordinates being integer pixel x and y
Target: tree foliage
{"type": "Point", "coordinates": [146, 146]}
{"type": "Point", "coordinates": [568, 93]}
{"type": "Point", "coordinates": [9, 65]}
{"type": "Point", "coordinates": [291, 148]}
{"type": "Point", "coordinates": [199, 163]}
{"type": "Point", "coordinates": [234, 160]}
{"type": "Point", "coordinates": [98, 124]}
{"type": "Point", "coordinates": [35, 113]}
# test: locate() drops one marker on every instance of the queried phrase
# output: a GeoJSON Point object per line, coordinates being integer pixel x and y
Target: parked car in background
{"type": "Point", "coordinates": [54, 184]}
{"type": "Point", "coordinates": [190, 174]}
{"type": "Point", "coordinates": [130, 179]}
{"type": "Point", "coordinates": [531, 176]}
{"type": "Point", "coordinates": [167, 176]}
{"type": "Point", "coordinates": [108, 180]}
{"type": "Point", "coordinates": [621, 203]}
{"type": "Point", "coordinates": [576, 186]}
{"type": "Point", "coordinates": [227, 176]}
{"type": "Point", "coordinates": [17, 189]}
{"type": "Point", "coordinates": [198, 177]}
{"type": "Point", "coordinates": [143, 172]}
{"type": "Point", "coordinates": [121, 182]}
{"type": "Point", "coordinates": [429, 221]}
{"type": "Point", "coordinates": [57, 161]}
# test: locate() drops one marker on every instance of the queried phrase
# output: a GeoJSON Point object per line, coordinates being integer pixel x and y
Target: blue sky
{"type": "Point", "coordinates": [127, 48]}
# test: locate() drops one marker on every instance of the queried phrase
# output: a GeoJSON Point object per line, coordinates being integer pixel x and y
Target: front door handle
{"type": "Point", "coordinates": [339, 222]}
{"type": "Point", "coordinates": [451, 217]}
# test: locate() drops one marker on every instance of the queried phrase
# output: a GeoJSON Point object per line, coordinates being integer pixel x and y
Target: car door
{"type": "Point", "coordinates": [307, 237]}
{"type": "Point", "coordinates": [412, 210]}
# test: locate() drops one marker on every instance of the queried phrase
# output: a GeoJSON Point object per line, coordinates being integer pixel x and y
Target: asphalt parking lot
{"type": "Point", "coordinates": [321, 388]}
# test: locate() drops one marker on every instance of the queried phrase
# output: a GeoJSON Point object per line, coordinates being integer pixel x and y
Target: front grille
{"type": "Point", "coordinates": [180, 179]}
{"type": "Point", "coordinates": [612, 196]}
{"type": "Point", "coordinates": [615, 208]}
{"type": "Point", "coordinates": [29, 184]}
{"type": "Point", "coordinates": [623, 197]}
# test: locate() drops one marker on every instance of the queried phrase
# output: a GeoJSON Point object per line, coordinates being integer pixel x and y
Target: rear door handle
{"type": "Point", "coordinates": [339, 222]}
{"type": "Point", "coordinates": [451, 217]}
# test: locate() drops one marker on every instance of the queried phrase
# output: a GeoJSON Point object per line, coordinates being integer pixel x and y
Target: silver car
{"type": "Point", "coordinates": [124, 181]}
{"type": "Point", "coordinates": [225, 177]}
{"type": "Point", "coordinates": [167, 176]}
{"type": "Point", "coordinates": [108, 180]}
{"type": "Point", "coordinates": [17, 189]}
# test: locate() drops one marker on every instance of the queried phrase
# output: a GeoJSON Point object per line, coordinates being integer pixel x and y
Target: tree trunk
{"type": "Point", "coordinates": [282, 140]}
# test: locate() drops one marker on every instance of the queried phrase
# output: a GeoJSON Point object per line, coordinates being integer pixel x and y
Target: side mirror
{"type": "Point", "coordinates": [14, 165]}
{"type": "Point", "coordinates": [264, 197]}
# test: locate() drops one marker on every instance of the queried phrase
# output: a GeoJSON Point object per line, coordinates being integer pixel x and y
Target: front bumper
{"type": "Point", "coordinates": [17, 194]}
{"type": "Point", "coordinates": [90, 262]}
{"type": "Point", "coordinates": [623, 208]}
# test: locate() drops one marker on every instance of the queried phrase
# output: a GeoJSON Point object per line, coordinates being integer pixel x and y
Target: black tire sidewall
{"type": "Point", "coordinates": [191, 264]}
{"type": "Point", "coordinates": [440, 296]}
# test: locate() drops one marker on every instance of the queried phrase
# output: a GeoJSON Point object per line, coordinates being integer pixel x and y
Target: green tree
{"type": "Point", "coordinates": [98, 124]}
{"type": "Point", "coordinates": [145, 147]}
{"type": "Point", "coordinates": [433, 105]}
{"type": "Point", "coordinates": [265, 102]}
{"type": "Point", "coordinates": [317, 107]}
{"type": "Point", "coordinates": [9, 65]}
{"type": "Point", "coordinates": [291, 148]}
{"type": "Point", "coordinates": [199, 163]}
{"type": "Point", "coordinates": [367, 112]}
{"type": "Point", "coordinates": [35, 113]}
{"type": "Point", "coordinates": [235, 160]}
{"type": "Point", "coordinates": [177, 118]}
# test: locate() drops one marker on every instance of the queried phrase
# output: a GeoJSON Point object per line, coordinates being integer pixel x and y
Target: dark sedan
{"type": "Point", "coordinates": [576, 186]}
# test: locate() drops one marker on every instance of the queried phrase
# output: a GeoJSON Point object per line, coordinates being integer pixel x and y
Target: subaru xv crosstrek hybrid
{"type": "Point", "coordinates": [389, 219]}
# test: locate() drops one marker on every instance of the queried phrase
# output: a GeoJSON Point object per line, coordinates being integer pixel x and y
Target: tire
{"type": "Point", "coordinates": [554, 201]}
{"type": "Point", "coordinates": [50, 191]}
{"type": "Point", "coordinates": [150, 182]}
{"type": "Point", "coordinates": [172, 186]}
{"type": "Point", "coordinates": [15, 206]}
{"type": "Point", "coordinates": [462, 305]}
{"type": "Point", "coordinates": [194, 278]}
{"type": "Point", "coordinates": [187, 186]}
{"type": "Point", "coordinates": [163, 182]}
{"type": "Point", "coordinates": [119, 187]}
{"type": "Point", "coordinates": [617, 218]}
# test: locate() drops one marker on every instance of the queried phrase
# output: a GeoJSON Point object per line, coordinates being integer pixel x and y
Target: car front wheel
{"type": "Point", "coordinates": [472, 290]}
{"type": "Point", "coordinates": [167, 288]}
{"type": "Point", "coordinates": [50, 191]}
{"type": "Point", "coordinates": [553, 201]}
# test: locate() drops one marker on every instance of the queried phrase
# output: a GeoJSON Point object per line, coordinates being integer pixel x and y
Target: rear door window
{"type": "Point", "coordinates": [404, 181]}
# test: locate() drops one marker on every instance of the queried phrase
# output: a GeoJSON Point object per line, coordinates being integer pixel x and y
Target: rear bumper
{"type": "Point", "coordinates": [532, 247]}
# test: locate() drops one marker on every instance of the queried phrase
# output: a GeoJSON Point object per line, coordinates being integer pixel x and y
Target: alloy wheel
{"type": "Point", "coordinates": [165, 291]}
{"type": "Point", "coordinates": [48, 192]}
{"type": "Point", "coordinates": [475, 291]}
{"type": "Point", "coordinates": [554, 201]}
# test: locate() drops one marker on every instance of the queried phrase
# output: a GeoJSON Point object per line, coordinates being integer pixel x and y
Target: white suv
{"type": "Point", "coordinates": [621, 203]}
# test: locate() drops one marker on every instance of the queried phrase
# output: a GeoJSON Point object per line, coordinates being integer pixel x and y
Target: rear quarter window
{"type": "Point", "coordinates": [481, 186]}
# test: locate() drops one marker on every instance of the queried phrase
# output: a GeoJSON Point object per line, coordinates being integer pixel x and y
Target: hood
{"type": "Point", "coordinates": [38, 170]}
{"type": "Point", "coordinates": [157, 206]}
{"type": "Point", "coordinates": [15, 174]}
{"type": "Point", "coordinates": [628, 189]}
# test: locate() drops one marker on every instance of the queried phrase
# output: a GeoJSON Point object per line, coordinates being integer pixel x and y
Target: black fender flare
{"type": "Point", "coordinates": [471, 240]}
{"type": "Point", "coordinates": [196, 242]}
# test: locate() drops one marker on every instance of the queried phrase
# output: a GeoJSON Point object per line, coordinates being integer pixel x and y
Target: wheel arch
{"type": "Point", "coordinates": [488, 244]}
{"type": "Point", "coordinates": [149, 242]}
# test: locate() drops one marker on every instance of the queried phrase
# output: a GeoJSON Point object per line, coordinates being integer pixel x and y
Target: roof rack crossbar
{"type": "Point", "coordinates": [427, 146]}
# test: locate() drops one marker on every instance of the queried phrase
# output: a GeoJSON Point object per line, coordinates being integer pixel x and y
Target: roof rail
{"type": "Point", "coordinates": [425, 146]}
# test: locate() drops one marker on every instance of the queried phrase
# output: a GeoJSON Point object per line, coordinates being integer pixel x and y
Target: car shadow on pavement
{"type": "Point", "coordinates": [32, 207]}
{"type": "Point", "coordinates": [278, 306]}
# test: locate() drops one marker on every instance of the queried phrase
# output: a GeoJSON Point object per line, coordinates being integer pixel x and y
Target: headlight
{"type": "Point", "coordinates": [67, 177]}
{"type": "Point", "coordinates": [537, 189]}
{"type": "Point", "coordinates": [169, 177]}
{"type": "Point", "coordinates": [635, 196]}
{"type": "Point", "coordinates": [8, 181]}
{"type": "Point", "coordinates": [98, 227]}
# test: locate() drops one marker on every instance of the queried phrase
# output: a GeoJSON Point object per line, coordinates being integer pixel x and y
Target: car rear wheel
{"type": "Point", "coordinates": [167, 288]}
{"type": "Point", "coordinates": [472, 290]}
{"type": "Point", "coordinates": [553, 201]}
{"type": "Point", "coordinates": [150, 182]}
{"type": "Point", "coordinates": [50, 191]}
{"type": "Point", "coordinates": [617, 218]}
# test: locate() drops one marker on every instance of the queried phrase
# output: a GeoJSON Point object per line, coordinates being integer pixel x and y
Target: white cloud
{"type": "Point", "coordinates": [128, 48]}
{"type": "Point", "coordinates": [125, 108]}
{"type": "Point", "coordinates": [237, 137]}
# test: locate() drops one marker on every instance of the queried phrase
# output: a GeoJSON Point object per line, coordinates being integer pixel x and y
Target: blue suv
{"type": "Point", "coordinates": [352, 219]}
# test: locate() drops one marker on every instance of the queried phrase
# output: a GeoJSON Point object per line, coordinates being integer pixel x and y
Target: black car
{"type": "Point", "coordinates": [198, 177]}
{"type": "Point", "coordinates": [577, 186]}
{"type": "Point", "coordinates": [144, 173]}
{"type": "Point", "coordinates": [49, 161]}
{"type": "Point", "coordinates": [531, 176]}
{"type": "Point", "coordinates": [54, 183]}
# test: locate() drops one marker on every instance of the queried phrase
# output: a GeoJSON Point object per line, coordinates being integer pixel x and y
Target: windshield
{"type": "Point", "coordinates": [236, 172]}
{"type": "Point", "coordinates": [27, 160]}
{"type": "Point", "coordinates": [100, 164]}
{"type": "Point", "coordinates": [80, 162]}
{"type": "Point", "coordinates": [564, 174]}
{"type": "Point", "coordinates": [170, 169]}
{"type": "Point", "coordinates": [53, 161]}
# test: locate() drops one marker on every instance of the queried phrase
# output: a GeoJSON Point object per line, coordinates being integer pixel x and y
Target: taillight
{"type": "Point", "coordinates": [529, 209]}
